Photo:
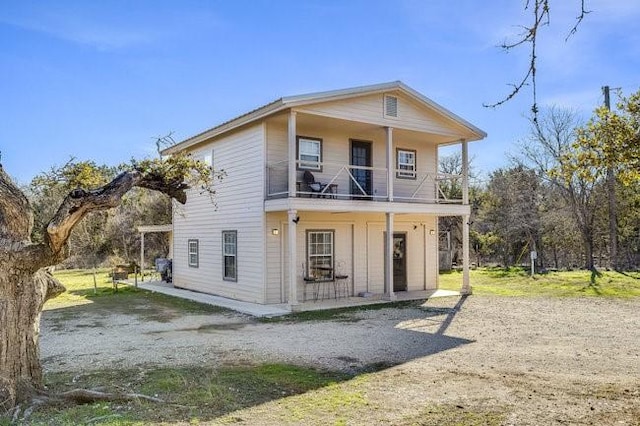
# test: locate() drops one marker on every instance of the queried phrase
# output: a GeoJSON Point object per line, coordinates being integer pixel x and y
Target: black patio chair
{"type": "Point", "coordinates": [312, 184]}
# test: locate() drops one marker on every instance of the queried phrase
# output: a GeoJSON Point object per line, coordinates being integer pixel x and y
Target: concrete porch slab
{"type": "Point", "coordinates": [254, 309]}
{"type": "Point", "coordinates": [258, 310]}
{"type": "Point", "coordinates": [376, 299]}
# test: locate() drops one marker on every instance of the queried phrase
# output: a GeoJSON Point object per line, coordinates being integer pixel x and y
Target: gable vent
{"type": "Point", "coordinates": [390, 106]}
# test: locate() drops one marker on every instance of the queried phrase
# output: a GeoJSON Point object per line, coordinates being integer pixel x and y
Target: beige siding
{"type": "Point", "coordinates": [423, 187]}
{"type": "Point", "coordinates": [336, 150]}
{"type": "Point", "coordinates": [431, 255]}
{"type": "Point", "coordinates": [275, 268]}
{"type": "Point", "coordinates": [278, 289]}
{"type": "Point", "coordinates": [239, 199]}
{"type": "Point", "coordinates": [369, 109]}
{"type": "Point", "coordinates": [359, 240]}
{"type": "Point", "coordinates": [421, 252]}
{"type": "Point", "coordinates": [277, 155]}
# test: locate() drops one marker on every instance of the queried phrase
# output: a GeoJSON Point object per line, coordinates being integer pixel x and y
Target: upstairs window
{"type": "Point", "coordinates": [230, 255]}
{"type": "Point", "coordinates": [193, 253]}
{"type": "Point", "coordinates": [405, 163]}
{"type": "Point", "coordinates": [309, 153]}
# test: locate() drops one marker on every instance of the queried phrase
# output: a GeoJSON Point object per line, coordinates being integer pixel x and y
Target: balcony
{"type": "Point", "coordinates": [347, 182]}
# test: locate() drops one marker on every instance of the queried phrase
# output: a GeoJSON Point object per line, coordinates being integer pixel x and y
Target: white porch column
{"type": "Point", "coordinates": [465, 172]}
{"type": "Point", "coordinates": [292, 154]}
{"type": "Point", "coordinates": [293, 259]}
{"type": "Point", "coordinates": [142, 255]}
{"type": "Point", "coordinates": [466, 286]}
{"type": "Point", "coordinates": [390, 163]}
{"type": "Point", "coordinates": [388, 259]}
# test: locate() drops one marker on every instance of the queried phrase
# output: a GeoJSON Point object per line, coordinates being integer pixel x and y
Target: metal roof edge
{"type": "Point", "coordinates": [305, 99]}
{"type": "Point", "coordinates": [226, 126]}
{"type": "Point", "coordinates": [442, 110]}
{"type": "Point", "coordinates": [340, 93]}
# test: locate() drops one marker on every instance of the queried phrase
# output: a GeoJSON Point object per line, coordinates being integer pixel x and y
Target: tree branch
{"type": "Point", "coordinates": [80, 202]}
{"type": "Point", "coordinates": [85, 396]}
{"type": "Point", "coordinates": [579, 18]}
{"type": "Point", "coordinates": [53, 287]}
{"type": "Point", "coordinates": [530, 35]}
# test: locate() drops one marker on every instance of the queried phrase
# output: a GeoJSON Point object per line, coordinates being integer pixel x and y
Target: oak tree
{"type": "Point", "coordinates": [25, 280]}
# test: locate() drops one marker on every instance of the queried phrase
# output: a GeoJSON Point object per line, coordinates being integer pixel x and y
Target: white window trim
{"type": "Point", "coordinates": [306, 164]}
{"type": "Point", "coordinates": [226, 277]}
{"type": "Point", "coordinates": [209, 158]}
{"type": "Point", "coordinates": [410, 170]}
{"type": "Point", "coordinates": [331, 232]}
{"type": "Point", "coordinates": [193, 249]}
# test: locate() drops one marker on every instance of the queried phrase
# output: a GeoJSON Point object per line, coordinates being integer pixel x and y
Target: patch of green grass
{"type": "Point", "coordinates": [191, 394]}
{"type": "Point", "coordinates": [128, 299]}
{"type": "Point", "coordinates": [518, 282]}
{"type": "Point", "coordinates": [334, 404]}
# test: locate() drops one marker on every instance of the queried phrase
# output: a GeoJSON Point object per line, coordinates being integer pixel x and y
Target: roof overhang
{"type": "Point", "coordinates": [334, 95]}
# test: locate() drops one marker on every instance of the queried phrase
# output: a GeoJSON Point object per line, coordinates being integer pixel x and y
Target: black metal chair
{"type": "Point", "coordinates": [312, 184]}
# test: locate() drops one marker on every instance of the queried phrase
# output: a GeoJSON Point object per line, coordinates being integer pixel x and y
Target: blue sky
{"type": "Point", "coordinates": [98, 80]}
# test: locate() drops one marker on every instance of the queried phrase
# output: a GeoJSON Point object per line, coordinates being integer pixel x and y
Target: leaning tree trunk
{"type": "Point", "coordinates": [26, 284]}
{"type": "Point", "coordinates": [22, 295]}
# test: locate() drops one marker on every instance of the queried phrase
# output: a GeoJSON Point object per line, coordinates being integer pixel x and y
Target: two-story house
{"type": "Point", "coordinates": [340, 185]}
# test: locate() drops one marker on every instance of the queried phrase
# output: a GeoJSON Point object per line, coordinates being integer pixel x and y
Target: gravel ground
{"type": "Point", "coordinates": [541, 360]}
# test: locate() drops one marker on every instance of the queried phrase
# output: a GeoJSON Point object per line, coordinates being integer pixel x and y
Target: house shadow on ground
{"type": "Point", "coordinates": [370, 339]}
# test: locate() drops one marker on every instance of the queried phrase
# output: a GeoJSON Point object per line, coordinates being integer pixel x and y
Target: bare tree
{"type": "Point", "coordinates": [545, 150]}
{"type": "Point", "coordinates": [451, 226]}
{"type": "Point", "coordinates": [539, 12]}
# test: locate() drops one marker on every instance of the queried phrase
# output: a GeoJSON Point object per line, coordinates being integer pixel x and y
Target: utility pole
{"type": "Point", "coordinates": [613, 210]}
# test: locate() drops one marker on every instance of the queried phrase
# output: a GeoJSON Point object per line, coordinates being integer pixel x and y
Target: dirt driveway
{"type": "Point", "coordinates": [539, 360]}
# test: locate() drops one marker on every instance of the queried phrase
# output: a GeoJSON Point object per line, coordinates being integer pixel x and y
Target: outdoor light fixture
{"type": "Point", "coordinates": [432, 232]}
{"type": "Point", "coordinates": [275, 231]}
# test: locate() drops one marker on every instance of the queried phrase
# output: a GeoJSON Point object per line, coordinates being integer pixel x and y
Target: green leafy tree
{"type": "Point", "coordinates": [629, 225]}
{"type": "Point", "coordinates": [512, 208]}
{"type": "Point", "coordinates": [610, 140]}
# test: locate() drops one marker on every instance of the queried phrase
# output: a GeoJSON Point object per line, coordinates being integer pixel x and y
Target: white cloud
{"type": "Point", "coordinates": [104, 28]}
{"type": "Point", "coordinates": [81, 30]}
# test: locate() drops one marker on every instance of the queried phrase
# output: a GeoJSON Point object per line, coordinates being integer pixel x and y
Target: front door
{"type": "Point", "coordinates": [399, 262]}
{"type": "Point", "coordinates": [361, 156]}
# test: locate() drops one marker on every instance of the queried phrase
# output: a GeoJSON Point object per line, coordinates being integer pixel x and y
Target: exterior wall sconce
{"type": "Point", "coordinates": [275, 231]}
{"type": "Point", "coordinates": [432, 232]}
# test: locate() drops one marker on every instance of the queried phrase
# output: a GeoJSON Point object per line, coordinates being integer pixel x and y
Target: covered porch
{"type": "Point", "coordinates": [321, 162]}
{"type": "Point", "coordinates": [317, 255]}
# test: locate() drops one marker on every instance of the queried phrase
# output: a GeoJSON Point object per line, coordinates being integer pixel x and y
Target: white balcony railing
{"type": "Point", "coordinates": [348, 182]}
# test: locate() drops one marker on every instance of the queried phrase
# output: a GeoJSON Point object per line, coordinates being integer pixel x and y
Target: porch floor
{"type": "Point", "coordinates": [259, 310]}
{"type": "Point", "coordinates": [253, 309]}
{"type": "Point", "coordinates": [345, 302]}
